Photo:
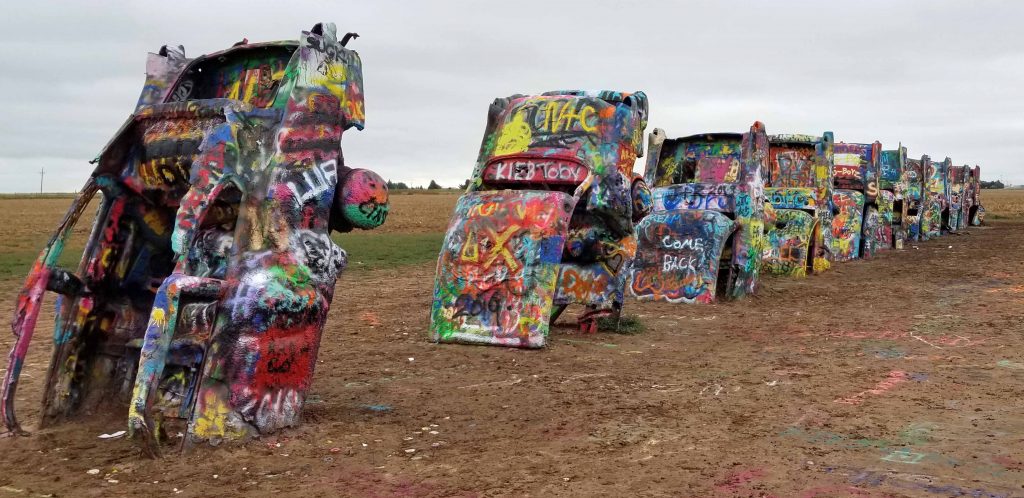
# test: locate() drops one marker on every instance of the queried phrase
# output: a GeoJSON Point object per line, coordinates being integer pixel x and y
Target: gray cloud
{"type": "Point", "coordinates": [942, 77]}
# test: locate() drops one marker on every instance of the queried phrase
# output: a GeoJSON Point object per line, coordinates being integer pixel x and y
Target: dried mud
{"type": "Point", "coordinates": [899, 376]}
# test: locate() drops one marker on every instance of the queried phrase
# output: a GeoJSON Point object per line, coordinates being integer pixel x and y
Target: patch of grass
{"type": "Point", "coordinates": [48, 195]}
{"type": "Point", "coordinates": [366, 250]}
{"type": "Point", "coordinates": [369, 250]}
{"type": "Point", "coordinates": [16, 264]}
{"type": "Point", "coordinates": [625, 325]}
{"type": "Point", "coordinates": [418, 191]}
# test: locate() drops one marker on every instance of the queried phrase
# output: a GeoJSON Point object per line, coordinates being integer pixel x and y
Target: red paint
{"type": "Point", "coordinates": [734, 481]}
{"type": "Point", "coordinates": [285, 359]}
{"type": "Point", "coordinates": [535, 170]}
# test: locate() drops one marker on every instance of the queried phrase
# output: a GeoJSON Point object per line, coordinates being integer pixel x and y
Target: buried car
{"type": "Point", "coordinates": [914, 198]}
{"type": "Point", "coordinates": [856, 224]}
{"type": "Point", "coordinates": [893, 207]}
{"type": "Point", "coordinates": [207, 277]}
{"type": "Point", "coordinates": [799, 187]}
{"type": "Point", "coordinates": [957, 178]}
{"type": "Point", "coordinates": [936, 209]}
{"type": "Point", "coordinates": [547, 219]}
{"type": "Point", "coordinates": [975, 211]}
{"type": "Point", "coordinates": [705, 235]}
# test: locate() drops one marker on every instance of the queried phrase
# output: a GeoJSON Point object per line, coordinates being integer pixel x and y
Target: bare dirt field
{"type": "Point", "coordinates": [899, 376]}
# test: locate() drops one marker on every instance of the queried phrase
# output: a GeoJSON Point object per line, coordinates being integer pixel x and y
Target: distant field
{"type": "Point", "coordinates": [1003, 203]}
{"type": "Point", "coordinates": [411, 235]}
{"type": "Point", "coordinates": [48, 195]}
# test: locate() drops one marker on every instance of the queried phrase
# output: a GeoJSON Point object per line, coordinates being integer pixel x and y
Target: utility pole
{"type": "Point", "coordinates": [42, 171]}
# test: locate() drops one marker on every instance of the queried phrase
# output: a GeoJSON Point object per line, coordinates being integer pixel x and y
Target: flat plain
{"type": "Point", "coordinates": [897, 376]}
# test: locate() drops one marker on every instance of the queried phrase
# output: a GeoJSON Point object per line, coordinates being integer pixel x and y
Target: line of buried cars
{"type": "Point", "coordinates": [556, 215]}
{"type": "Point", "coordinates": [203, 287]}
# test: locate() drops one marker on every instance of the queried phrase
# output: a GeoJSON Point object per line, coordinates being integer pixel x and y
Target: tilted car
{"type": "Point", "coordinates": [936, 212]}
{"type": "Point", "coordinates": [705, 236]}
{"type": "Point", "coordinates": [856, 224]}
{"type": "Point", "coordinates": [799, 187]}
{"type": "Point", "coordinates": [893, 207]}
{"type": "Point", "coordinates": [547, 219]}
{"type": "Point", "coordinates": [975, 211]}
{"type": "Point", "coordinates": [914, 197]}
{"type": "Point", "coordinates": [206, 281]}
{"type": "Point", "coordinates": [957, 178]}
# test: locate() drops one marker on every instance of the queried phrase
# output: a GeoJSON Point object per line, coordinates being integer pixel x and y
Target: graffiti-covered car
{"type": "Point", "coordinates": [914, 198]}
{"type": "Point", "coordinates": [799, 187]}
{"type": "Point", "coordinates": [956, 179]}
{"type": "Point", "coordinates": [209, 271]}
{"type": "Point", "coordinates": [856, 224]}
{"type": "Point", "coordinates": [936, 211]}
{"type": "Point", "coordinates": [547, 219]}
{"type": "Point", "coordinates": [975, 211]}
{"type": "Point", "coordinates": [705, 235]}
{"type": "Point", "coordinates": [893, 206]}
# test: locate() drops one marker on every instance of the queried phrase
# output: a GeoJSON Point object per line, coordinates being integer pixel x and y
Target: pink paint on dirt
{"type": "Point", "coordinates": [741, 478]}
{"type": "Point", "coordinates": [894, 378]}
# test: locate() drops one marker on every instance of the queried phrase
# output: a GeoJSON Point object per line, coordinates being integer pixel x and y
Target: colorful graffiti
{"type": "Point", "coordinates": [799, 188]}
{"type": "Point", "coordinates": [790, 243]}
{"type": "Point", "coordinates": [209, 273]}
{"type": "Point", "coordinates": [914, 200]}
{"type": "Point", "coordinates": [564, 154]}
{"type": "Point", "coordinates": [957, 180]}
{"type": "Point", "coordinates": [893, 198]}
{"type": "Point", "coordinates": [681, 255]}
{"type": "Point", "coordinates": [857, 170]}
{"type": "Point", "coordinates": [936, 192]}
{"type": "Point", "coordinates": [846, 225]}
{"type": "Point", "coordinates": [498, 268]}
{"type": "Point", "coordinates": [719, 227]}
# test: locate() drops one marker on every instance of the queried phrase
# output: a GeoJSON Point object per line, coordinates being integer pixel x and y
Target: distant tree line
{"type": "Point", "coordinates": [995, 184]}
{"type": "Point", "coordinates": [404, 186]}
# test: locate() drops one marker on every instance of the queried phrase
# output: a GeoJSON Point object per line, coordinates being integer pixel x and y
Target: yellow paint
{"type": "Point", "coordinates": [500, 250]}
{"type": "Point", "coordinates": [515, 137]}
{"type": "Point", "coordinates": [158, 317]}
{"type": "Point", "coordinates": [105, 257]}
{"type": "Point", "coordinates": [734, 171]}
{"type": "Point", "coordinates": [846, 159]}
{"type": "Point", "coordinates": [155, 222]}
{"type": "Point", "coordinates": [471, 250]}
{"type": "Point", "coordinates": [560, 115]}
{"type": "Point", "coordinates": [667, 167]}
{"type": "Point", "coordinates": [212, 417]}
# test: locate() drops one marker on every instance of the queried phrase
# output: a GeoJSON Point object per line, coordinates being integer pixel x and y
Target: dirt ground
{"type": "Point", "coordinates": [899, 376]}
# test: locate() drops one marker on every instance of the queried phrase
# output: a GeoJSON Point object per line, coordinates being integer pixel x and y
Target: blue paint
{"type": "Point", "coordinates": [377, 408]}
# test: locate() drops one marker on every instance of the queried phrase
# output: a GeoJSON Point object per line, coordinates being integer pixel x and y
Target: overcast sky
{"type": "Point", "coordinates": [943, 77]}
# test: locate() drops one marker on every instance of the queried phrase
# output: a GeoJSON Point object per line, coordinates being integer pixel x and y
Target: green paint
{"type": "Point", "coordinates": [358, 218]}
